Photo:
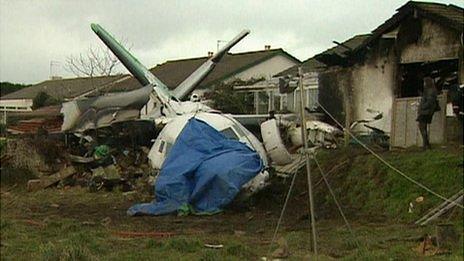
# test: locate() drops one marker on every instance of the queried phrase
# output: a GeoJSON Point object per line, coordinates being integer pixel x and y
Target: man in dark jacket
{"type": "Point", "coordinates": [427, 107]}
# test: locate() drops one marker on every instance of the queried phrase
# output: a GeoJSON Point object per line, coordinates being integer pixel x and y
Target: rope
{"type": "Point", "coordinates": [282, 212]}
{"type": "Point", "coordinates": [388, 164]}
{"type": "Point", "coordinates": [336, 202]}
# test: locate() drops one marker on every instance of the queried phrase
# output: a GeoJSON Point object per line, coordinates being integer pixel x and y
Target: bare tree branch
{"type": "Point", "coordinates": [96, 61]}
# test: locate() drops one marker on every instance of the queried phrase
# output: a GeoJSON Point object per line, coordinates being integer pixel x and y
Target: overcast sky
{"type": "Point", "coordinates": [34, 33]}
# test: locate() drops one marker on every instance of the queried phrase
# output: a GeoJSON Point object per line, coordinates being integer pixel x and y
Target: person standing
{"type": "Point", "coordinates": [427, 107]}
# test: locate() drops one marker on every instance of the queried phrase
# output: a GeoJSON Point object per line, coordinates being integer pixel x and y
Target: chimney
{"type": "Point", "coordinates": [210, 54]}
{"type": "Point", "coordinates": [267, 47]}
{"type": "Point", "coordinates": [54, 78]}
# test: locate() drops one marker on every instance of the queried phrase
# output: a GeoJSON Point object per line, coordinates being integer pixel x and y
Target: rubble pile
{"type": "Point", "coordinates": [106, 161]}
{"type": "Point", "coordinates": [40, 156]}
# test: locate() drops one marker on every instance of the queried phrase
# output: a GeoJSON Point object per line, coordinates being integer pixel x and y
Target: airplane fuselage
{"type": "Point", "coordinates": [223, 123]}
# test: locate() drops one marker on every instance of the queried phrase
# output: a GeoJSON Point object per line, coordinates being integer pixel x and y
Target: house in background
{"type": "Point", "coordinates": [384, 73]}
{"type": "Point", "coordinates": [59, 89]}
{"type": "Point", "coordinates": [243, 66]}
{"type": "Point", "coordinates": [267, 96]}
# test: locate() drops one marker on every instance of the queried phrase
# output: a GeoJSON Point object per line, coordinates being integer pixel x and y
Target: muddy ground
{"type": "Point", "coordinates": [72, 223]}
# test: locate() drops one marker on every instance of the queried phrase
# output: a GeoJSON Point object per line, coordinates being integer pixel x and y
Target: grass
{"type": "Point", "coordinates": [371, 188]}
{"type": "Point", "coordinates": [69, 224]}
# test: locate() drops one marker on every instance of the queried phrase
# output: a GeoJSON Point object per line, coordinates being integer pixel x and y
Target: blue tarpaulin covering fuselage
{"type": "Point", "coordinates": [204, 171]}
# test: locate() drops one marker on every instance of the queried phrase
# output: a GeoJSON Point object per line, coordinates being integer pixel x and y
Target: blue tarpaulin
{"type": "Point", "coordinates": [203, 172]}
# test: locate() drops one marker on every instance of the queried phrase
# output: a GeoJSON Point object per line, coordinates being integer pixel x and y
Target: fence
{"type": "Point", "coordinates": [405, 131]}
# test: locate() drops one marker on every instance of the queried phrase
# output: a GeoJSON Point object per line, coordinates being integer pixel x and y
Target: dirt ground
{"type": "Point", "coordinates": [72, 223]}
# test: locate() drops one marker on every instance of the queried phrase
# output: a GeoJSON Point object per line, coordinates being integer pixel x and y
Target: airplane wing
{"type": "Point", "coordinates": [189, 84]}
{"type": "Point", "coordinates": [140, 72]}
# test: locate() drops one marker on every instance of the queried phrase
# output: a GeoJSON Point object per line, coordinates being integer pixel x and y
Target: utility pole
{"type": "Point", "coordinates": [53, 63]}
{"type": "Point", "coordinates": [218, 42]}
{"type": "Point", "coordinates": [308, 167]}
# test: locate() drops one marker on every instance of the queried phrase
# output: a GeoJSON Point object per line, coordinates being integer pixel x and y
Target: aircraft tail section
{"type": "Point", "coordinates": [189, 84]}
{"type": "Point", "coordinates": [137, 69]}
{"type": "Point", "coordinates": [218, 56]}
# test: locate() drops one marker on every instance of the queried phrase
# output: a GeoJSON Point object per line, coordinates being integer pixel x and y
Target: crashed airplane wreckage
{"type": "Point", "coordinates": [205, 157]}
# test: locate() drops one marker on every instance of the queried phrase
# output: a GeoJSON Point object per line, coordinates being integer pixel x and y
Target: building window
{"type": "Point", "coordinates": [230, 134]}
{"type": "Point", "coordinates": [161, 147]}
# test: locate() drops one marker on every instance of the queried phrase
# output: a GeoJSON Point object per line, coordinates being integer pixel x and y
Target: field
{"type": "Point", "coordinates": [73, 224]}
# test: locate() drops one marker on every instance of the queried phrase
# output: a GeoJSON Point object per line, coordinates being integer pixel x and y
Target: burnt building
{"type": "Point", "coordinates": [384, 72]}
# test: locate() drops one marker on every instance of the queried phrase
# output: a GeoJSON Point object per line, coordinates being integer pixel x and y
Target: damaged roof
{"type": "Point", "coordinates": [63, 88]}
{"type": "Point", "coordinates": [172, 73]}
{"type": "Point", "coordinates": [320, 61]}
{"type": "Point", "coordinates": [309, 65]}
{"type": "Point", "coordinates": [450, 16]}
{"type": "Point", "coordinates": [337, 55]}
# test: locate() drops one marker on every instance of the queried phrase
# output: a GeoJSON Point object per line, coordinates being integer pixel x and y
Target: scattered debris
{"type": "Point", "coordinates": [427, 248]}
{"type": "Point", "coordinates": [214, 246]}
{"type": "Point", "coordinates": [319, 134]}
{"type": "Point", "coordinates": [106, 221]}
{"type": "Point", "coordinates": [411, 206]}
{"type": "Point", "coordinates": [441, 209]}
{"type": "Point", "coordinates": [36, 125]}
{"type": "Point", "coordinates": [53, 205]}
{"type": "Point", "coordinates": [131, 234]}
{"type": "Point", "coordinates": [239, 233]}
{"type": "Point", "coordinates": [34, 223]}
{"type": "Point", "coordinates": [37, 155]}
{"type": "Point", "coordinates": [79, 159]}
{"type": "Point", "coordinates": [34, 185]}
{"type": "Point", "coordinates": [55, 178]}
{"type": "Point", "coordinates": [282, 251]}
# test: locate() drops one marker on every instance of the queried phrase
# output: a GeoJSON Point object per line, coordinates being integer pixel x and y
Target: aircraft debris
{"type": "Point", "coordinates": [213, 246]}
{"type": "Point", "coordinates": [164, 106]}
{"type": "Point", "coordinates": [216, 170]}
{"type": "Point", "coordinates": [47, 181]}
{"type": "Point", "coordinates": [428, 248]}
{"type": "Point", "coordinates": [282, 250]}
{"type": "Point", "coordinates": [132, 234]}
{"type": "Point", "coordinates": [97, 112]}
{"type": "Point", "coordinates": [319, 134]}
{"type": "Point", "coordinates": [34, 185]}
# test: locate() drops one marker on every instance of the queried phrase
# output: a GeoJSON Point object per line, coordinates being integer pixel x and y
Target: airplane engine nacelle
{"type": "Point", "coordinates": [274, 144]}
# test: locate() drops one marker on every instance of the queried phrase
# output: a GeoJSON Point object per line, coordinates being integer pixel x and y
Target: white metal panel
{"type": "Point", "coordinates": [273, 143]}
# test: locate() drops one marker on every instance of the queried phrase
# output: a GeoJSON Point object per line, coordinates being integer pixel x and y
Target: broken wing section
{"type": "Point", "coordinates": [97, 112]}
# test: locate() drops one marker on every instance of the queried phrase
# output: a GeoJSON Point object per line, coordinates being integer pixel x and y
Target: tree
{"type": "Point", "coordinates": [43, 99]}
{"type": "Point", "coordinates": [8, 87]}
{"type": "Point", "coordinates": [96, 61]}
{"type": "Point", "coordinates": [226, 99]}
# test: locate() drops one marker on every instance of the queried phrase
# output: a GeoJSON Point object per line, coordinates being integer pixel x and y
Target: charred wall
{"type": "Point", "coordinates": [433, 42]}
{"type": "Point", "coordinates": [348, 92]}
{"type": "Point", "coordinates": [334, 86]}
{"type": "Point", "coordinates": [373, 85]}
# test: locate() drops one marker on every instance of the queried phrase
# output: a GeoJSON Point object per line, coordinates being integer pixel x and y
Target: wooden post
{"type": "Point", "coordinates": [308, 168]}
{"type": "Point", "coordinates": [347, 105]}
